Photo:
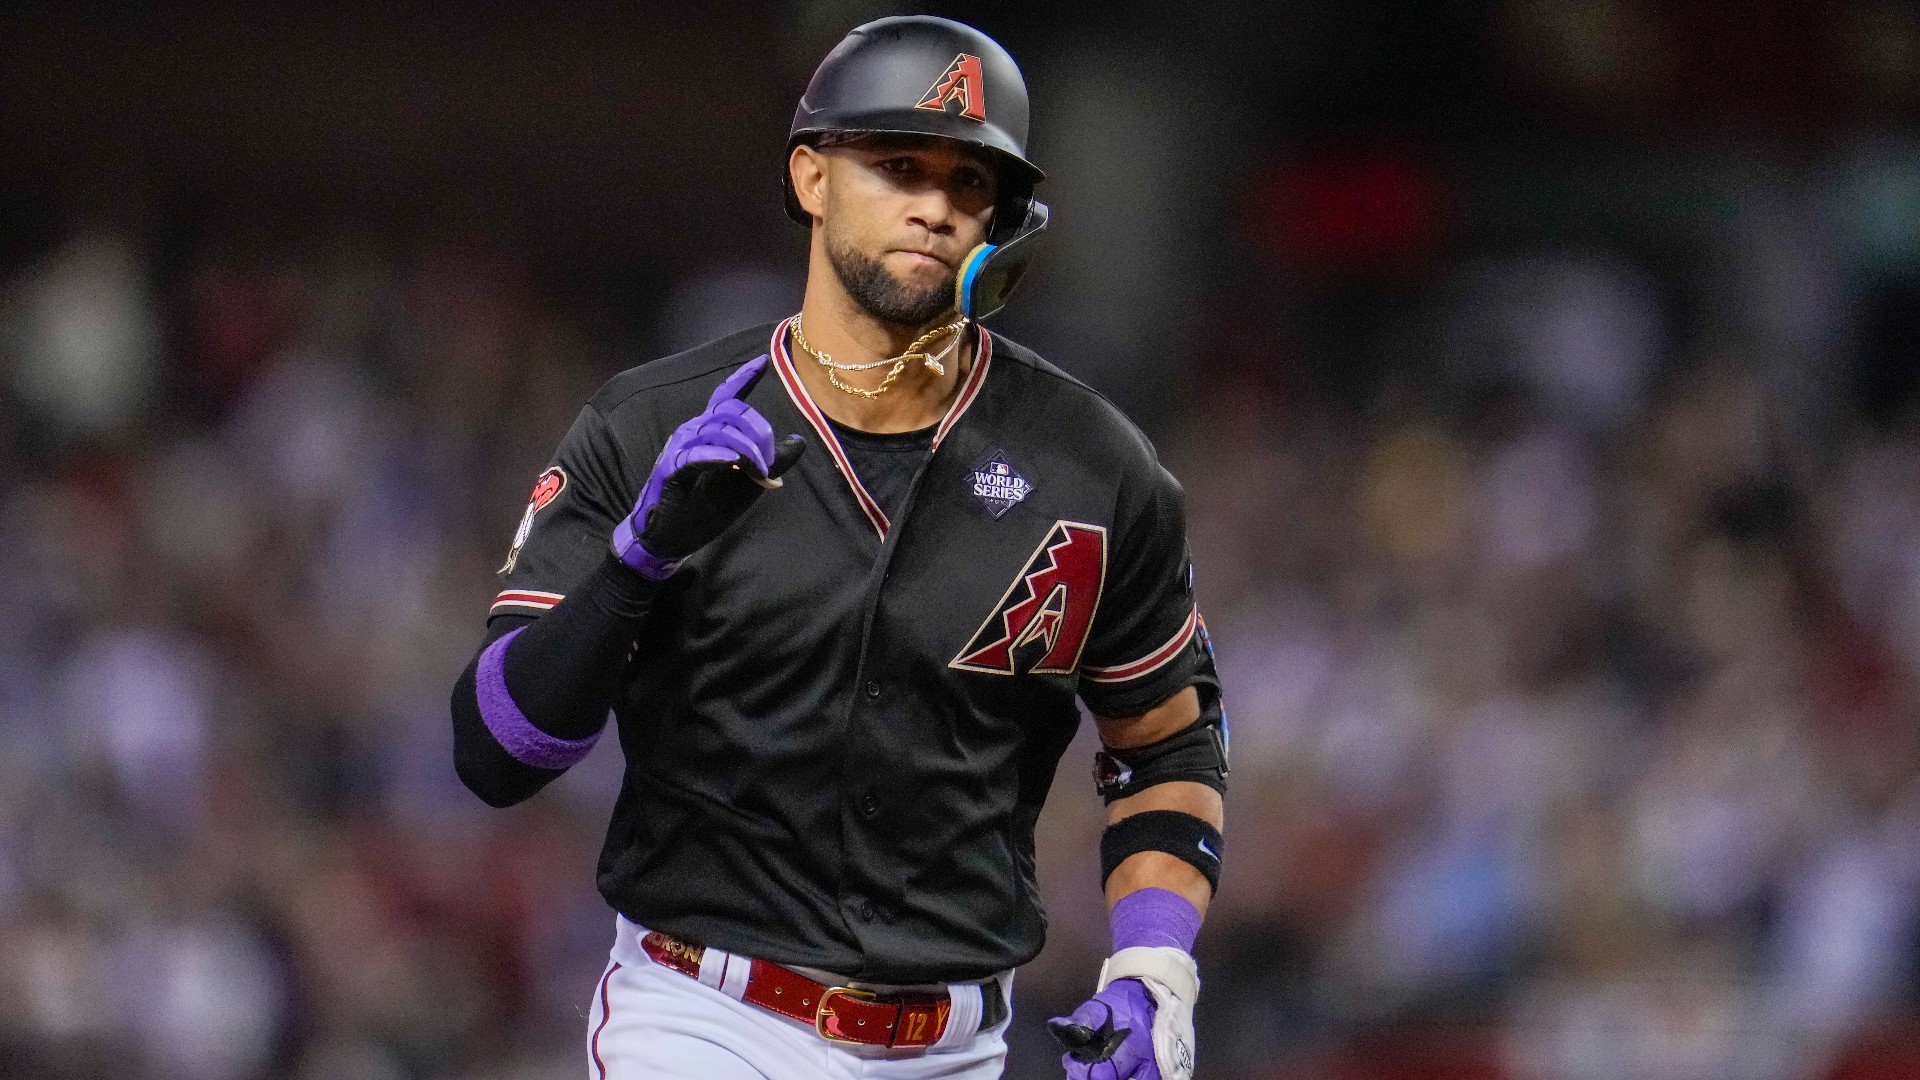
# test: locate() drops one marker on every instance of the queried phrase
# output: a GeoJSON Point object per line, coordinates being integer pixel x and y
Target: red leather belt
{"type": "Point", "coordinates": [838, 1013]}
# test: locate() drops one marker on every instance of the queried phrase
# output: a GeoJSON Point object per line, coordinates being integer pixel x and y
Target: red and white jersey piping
{"type": "Point", "coordinates": [1151, 662]}
{"type": "Point", "coordinates": [525, 598]}
{"type": "Point", "coordinates": [797, 390]}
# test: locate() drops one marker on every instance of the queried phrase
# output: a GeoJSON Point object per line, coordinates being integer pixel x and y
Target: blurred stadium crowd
{"type": "Point", "coordinates": [1558, 524]}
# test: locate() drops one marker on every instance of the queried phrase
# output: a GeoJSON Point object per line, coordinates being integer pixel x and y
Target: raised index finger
{"type": "Point", "coordinates": [740, 382]}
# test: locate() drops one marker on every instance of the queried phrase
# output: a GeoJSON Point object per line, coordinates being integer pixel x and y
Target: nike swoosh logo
{"type": "Point", "coordinates": [1209, 851]}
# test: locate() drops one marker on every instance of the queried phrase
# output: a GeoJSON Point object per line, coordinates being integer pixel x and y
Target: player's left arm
{"type": "Point", "coordinates": [1160, 855]}
{"type": "Point", "coordinates": [1151, 868]}
{"type": "Point", "coordinates": [1148, 677]}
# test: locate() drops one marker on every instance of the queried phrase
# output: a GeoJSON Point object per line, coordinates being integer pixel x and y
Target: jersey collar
{"type": "Point", "coordinates": [797, 390]}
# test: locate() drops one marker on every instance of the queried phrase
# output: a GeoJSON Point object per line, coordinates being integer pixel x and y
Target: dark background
{"type": "Point", "coordinates": [1542, 374]}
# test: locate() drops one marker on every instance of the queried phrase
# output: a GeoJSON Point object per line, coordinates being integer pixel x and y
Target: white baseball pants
{"type": "Point", "coordinates": [650, 1022]}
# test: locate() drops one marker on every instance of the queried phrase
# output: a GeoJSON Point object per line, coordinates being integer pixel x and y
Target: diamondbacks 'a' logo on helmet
{"type": "Point", "coordinates": [961, 82]}
{"type": "Point", "coordinates": [545, 490]}
{"type": "Point", "coordinates": [1041, 623]}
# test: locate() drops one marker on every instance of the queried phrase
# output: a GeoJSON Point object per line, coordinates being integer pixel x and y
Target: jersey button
{"type": "Point", "coordinates": [873, 688]}
{"type": "Point", "coordinates": [865, 910]}
{"type": "Point", "coordinates": [869, 804]}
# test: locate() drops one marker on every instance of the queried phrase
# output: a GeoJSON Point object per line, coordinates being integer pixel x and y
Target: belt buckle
{"type": "Point", "coordinates": [822, 1012]}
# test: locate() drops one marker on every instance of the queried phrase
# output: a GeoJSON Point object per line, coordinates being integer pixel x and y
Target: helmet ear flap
{"type": "Point", "coordinates": [1012, 210]}
{"type": "Point", "coordinates": [990, 272]}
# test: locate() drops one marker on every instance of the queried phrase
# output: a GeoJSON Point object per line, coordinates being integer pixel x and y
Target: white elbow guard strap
{"type": "Point", "coordinates": [1173, 982]}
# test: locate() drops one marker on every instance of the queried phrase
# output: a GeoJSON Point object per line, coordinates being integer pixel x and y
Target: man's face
{"type": "Point", "coordinates": [901, 212]}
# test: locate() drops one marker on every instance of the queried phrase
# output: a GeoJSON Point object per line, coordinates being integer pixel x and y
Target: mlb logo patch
{"type": "Point", "coordinates": [998, 486]}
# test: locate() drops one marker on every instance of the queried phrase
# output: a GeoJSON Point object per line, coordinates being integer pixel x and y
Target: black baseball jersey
{"type": "Point", "coordinates": [839, 723]}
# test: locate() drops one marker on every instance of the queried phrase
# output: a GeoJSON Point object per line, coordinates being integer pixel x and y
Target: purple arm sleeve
{"type": "Point", "coordinates": [510, 727]}
{"type": "Point", "coordinates": [1154, 917]}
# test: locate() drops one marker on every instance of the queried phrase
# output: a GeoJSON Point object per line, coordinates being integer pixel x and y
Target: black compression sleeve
{"type": "Point", "coordinates": [564, 672]}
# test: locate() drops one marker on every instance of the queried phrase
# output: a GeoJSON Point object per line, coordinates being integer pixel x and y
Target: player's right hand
{"type": "Point", "coordinates": [713, 467]}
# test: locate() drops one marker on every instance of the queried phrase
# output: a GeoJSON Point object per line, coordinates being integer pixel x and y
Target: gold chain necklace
{"type": "Point", "coordinates": [915, 351]}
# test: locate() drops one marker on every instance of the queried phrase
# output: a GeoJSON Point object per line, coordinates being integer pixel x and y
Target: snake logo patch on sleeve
{"type": "Point", "coordinates": [1041, 623]}
{"type": "Point", "coordinates": [545, 490]}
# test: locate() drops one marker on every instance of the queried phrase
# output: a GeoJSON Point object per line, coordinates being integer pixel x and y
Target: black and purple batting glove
{"type": "Point", "coordinates": [1110, 1037]}
{"type": "Point", "coordinates": [713, 467]}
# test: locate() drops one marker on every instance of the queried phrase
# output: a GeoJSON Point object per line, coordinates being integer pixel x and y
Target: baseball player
{"type": "Point", "coordinates": [839, 581]}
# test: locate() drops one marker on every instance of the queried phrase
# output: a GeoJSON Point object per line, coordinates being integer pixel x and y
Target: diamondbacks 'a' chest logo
{"type": "Point", "coordinates": [1041, 623]}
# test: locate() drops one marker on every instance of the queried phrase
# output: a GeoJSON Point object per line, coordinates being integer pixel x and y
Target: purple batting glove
{"type": "Point", "coordinates": [712, 469]}
{"type": "Point", "coordinates": [1111, 1036]}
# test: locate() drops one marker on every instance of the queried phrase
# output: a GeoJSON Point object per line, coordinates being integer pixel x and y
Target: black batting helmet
{"type": "Point", "coordinates": [921, 75]}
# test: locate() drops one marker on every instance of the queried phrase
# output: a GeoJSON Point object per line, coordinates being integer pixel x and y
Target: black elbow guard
{"type": "Point", "coordinates": [1181, 835]}
{"type": "Point", "coordinates": [1197, 753]}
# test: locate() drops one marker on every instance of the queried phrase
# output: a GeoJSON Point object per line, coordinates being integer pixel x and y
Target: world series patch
{"type": "Point", "coordinates": [997, 485]}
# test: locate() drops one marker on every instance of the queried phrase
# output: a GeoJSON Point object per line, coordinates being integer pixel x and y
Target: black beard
{"type": "Point", "coordinates": [881, 295]}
